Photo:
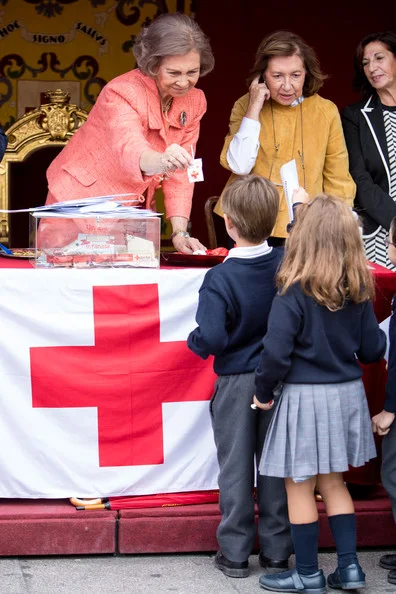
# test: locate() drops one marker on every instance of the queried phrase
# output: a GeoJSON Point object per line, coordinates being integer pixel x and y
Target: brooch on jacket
{"type": "Point", "coordinates": [183, 118]}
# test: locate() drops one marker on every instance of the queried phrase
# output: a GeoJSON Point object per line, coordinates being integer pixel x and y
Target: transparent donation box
{"type": "Point", "coordinates": [87, 241]}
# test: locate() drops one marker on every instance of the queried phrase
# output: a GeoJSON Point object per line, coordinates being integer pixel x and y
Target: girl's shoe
{"type": "Point", "coordinates": [347, 578]}
{"type": "Point", "coordinates": [291, 581]}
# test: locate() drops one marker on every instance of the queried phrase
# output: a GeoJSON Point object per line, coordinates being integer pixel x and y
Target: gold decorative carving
{"type": "Point", "coordinates": [58, 96]}
{"type": "Point", "coordinates": [60, 118]}
{"type": "Point", "coordinates": [53, 123]}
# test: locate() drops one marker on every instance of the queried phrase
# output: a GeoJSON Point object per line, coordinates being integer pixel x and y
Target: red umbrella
{"type": "Point", "coordinates": [142, 501]}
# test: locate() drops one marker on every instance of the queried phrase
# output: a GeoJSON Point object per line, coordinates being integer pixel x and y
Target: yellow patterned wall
{"type": "Point", "coordinates": [78, 45]}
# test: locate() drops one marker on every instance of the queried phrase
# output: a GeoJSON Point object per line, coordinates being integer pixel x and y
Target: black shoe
{"type": "Point", "coordinates": [392, 577]}
{"type": "Point", "coordinates": [234, 569]}
{"type": "Point", "coordinates": [347, 578]}
{"type": "Point", "coordinates": [388, 561]}
{"type": "Point", "coordinates": [273, 565]}
{"type": "Point", "coordinates": [291, 581]}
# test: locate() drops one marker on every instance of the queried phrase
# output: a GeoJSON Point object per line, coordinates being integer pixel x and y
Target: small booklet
{"type": "Point", "coordinates": [195, 172]}
{"type": "Point", "coordinates": [289, 177]}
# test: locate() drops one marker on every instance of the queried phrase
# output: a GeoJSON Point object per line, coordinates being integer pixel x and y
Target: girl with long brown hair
{"type": "Point", "coordinates": [321, 324]}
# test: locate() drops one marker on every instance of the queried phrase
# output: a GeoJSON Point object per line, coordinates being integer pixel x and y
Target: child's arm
{"type": "Point", "coordinates": [210, 337]}
{"type": "Point", "coordinates": [299, 197]}
{"type": "Point", "coordinates": [283, 326]}
{"type": "Point", "coordinates": [373, 339]}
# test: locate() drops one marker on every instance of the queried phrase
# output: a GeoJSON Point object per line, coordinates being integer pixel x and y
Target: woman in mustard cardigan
{"type": "Point", "coordinates": [283, 118]}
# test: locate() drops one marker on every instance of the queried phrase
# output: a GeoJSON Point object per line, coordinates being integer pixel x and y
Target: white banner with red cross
{"type": "Point", "coordinates": [99, 393]}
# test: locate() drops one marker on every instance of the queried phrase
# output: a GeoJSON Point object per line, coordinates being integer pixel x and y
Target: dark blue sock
{"type": "Point", "coordinates": [343, 529]}
{"type": "Point", "coordinates": [305, 541]}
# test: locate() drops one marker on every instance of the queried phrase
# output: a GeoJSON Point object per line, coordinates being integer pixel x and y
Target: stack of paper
{"type": "Point", "coordinates": [112, 205]}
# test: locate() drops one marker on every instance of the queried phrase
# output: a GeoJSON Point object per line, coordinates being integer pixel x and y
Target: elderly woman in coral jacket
{"type": "Point", "coordinates": [142, 131]}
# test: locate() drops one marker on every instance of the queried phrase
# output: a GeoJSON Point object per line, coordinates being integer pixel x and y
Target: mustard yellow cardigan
{"type": "Point", "coordinates": [325, 153]}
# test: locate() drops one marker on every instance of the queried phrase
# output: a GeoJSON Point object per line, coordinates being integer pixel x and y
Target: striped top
{"type": "Point", "coordinates": [376, 250]}
{"type": "Point", "coordinates": [390, 131]}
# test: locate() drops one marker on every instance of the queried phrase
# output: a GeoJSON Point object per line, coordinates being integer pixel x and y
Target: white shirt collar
{"type": "Point", "coordinates": [297, 101]}
{"type": "Point", "coordinates": [252, 251]}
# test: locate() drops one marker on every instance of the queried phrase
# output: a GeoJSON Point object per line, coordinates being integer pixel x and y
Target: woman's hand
{"type": "Point", "coordinates": [175, 157]}
{"type": "Point", "coordinates": [382, 422]}
{"type": "Point", "coordinates": [300, 195]}
{"type": "Point", "coordinates": [187, 245]}
{"type": "Point", "coordinates": [181, 239]}
{"type": "Point", "coordinates": [258, 93]}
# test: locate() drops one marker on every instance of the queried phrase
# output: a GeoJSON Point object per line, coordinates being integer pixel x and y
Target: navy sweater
{"type": "Point", "coordinates": [308, 344]}
{"type": "Point", "coordinates": [234, 303]}
{"type": "Point", "coordinates": [3, 143]}
{"type": "Point", "coordinates": [390, 399]}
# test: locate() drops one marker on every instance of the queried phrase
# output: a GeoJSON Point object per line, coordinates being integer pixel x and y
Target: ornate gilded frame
{"type": "Point", "coordinates": [53, 123]}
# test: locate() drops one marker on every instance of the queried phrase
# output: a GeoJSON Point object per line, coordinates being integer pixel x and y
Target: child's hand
{"type": "Point", "coordinates": [382, 422]}
{"type": "Point", "coordinates": [300, 195]}
{"type": "Point", "coordinates": [262, 405]}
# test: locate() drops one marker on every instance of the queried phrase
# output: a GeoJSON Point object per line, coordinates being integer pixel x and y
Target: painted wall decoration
{"type": "Point", "coordinates": [76, 45]}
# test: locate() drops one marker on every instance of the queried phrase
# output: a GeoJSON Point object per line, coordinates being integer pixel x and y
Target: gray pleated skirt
{"type": "Point", "coordinates": [318, 429]}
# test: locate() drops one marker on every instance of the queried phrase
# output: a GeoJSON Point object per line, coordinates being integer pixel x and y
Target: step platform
{"type": "Point", "coordinates": [55, 527]}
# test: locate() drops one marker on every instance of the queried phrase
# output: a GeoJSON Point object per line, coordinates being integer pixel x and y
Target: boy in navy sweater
{"type": "Point", "coordinates": [383, 423]}
{"type": "Point", "coordinates": [234, 304]}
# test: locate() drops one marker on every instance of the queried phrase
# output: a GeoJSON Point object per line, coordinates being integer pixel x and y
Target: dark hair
{"type": "Point", "coordinates": [252, 203]}
{"type": "Point", "coordinates": [171, 34]}
{"type": "Point", "coordinates": [392, 230]}
{"type": "Point", "coordinates": [285, 43]}
{"type": "Point", "coordinates": [360, 82]}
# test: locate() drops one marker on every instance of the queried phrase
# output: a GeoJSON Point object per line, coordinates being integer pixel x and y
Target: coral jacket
{"type": "Point", "coordinates": [103, 155]}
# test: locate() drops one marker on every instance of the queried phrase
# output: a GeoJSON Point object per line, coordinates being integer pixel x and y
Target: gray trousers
{"type": "Point", "coordinates": [239, 433]}
{"type": "Point", "coordinates": [388, 468]}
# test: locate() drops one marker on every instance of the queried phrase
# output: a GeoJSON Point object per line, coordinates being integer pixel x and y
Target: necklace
{"type": "Point", "coordinates": [276, 145]}
{"type": "Point", "coordinates": [301, 153]}
{"type": "Point", "coordinates": [167, 106]}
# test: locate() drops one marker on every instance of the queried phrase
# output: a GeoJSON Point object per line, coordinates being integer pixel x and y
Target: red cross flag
{"type": "Point", "coordinates": [99, 393]}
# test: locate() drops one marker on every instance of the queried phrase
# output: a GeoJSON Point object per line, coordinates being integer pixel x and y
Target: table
{"type": "Point", "coordinates": [99, 394]}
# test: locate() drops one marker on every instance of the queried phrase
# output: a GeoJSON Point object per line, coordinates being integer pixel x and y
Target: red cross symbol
{"type": "Point", "coordinates": [126, 375]}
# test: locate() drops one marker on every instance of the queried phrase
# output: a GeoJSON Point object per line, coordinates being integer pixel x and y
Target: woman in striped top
{"type": "Point", "coordinates": [370, 134]}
